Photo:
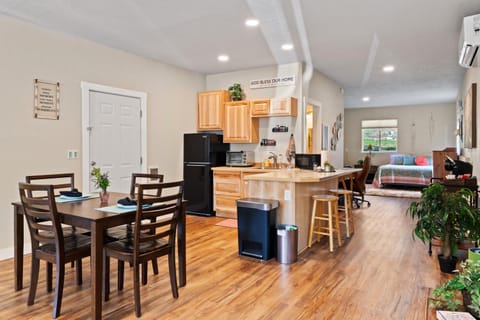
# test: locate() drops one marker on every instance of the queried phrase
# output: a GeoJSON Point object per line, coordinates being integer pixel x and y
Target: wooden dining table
{"type": "Point", "coordinates": [84, 214]}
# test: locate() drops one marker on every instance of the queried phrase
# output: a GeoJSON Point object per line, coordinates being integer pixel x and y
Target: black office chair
{"type": "Point", "coordinates": [359, 188]}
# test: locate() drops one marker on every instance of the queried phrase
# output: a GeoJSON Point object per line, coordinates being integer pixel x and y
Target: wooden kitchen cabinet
{"type": "Point", "coordinates": [211, 109]}
{"type": "Point", "coordinates": [260, 108]}
{"type": "Point", "coordinates": [228, 187]}
{"type": "Point", "coordinates": [239, 126]}
{"type": "Point", "coordinates": [283, 107]}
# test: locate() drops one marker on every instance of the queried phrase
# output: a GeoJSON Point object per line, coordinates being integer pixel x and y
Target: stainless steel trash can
{"type": "Point", "coordinates": [287, 243]}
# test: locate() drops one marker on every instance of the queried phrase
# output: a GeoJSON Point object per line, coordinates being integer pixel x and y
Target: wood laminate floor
{"type": "Point", "coordinates": [380, 273]}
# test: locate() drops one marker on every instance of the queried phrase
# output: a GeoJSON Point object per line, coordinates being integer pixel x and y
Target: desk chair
{"type": "Point", "coordinates": [48, 240]}
{"type": "Point", "coordinates": [359, 188]}
{"type": "Point", "coordinates": [153, 236]}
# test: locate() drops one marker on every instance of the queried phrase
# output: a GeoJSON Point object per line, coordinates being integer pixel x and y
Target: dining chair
{"type": "Point", "coordinates": [60, 182]}
{"type": "Point", "coordinates": [153, 236]}
{"type": "Point", "coordinates": [48, 240]}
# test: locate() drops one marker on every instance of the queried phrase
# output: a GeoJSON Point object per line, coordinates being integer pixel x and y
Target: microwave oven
{"type": "Point", "coordinates": [240, 158]}
{"type": "Point", "coordinates": [307, 160]}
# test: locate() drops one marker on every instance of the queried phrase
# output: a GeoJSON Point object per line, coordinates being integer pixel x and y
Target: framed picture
{"type": "Point", "coordinates": [325, 137]}
{"type": "Point", "coordinates": [469, 118]}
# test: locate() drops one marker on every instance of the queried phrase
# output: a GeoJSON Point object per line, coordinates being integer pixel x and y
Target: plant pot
{"type": "Point", "coordinates": [447, 265]}
{"type": "Point", "coordinates": [467, 300]}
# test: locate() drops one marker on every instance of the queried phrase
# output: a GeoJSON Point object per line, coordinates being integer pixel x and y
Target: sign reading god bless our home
{"type": "Point", "coordinates": [46, 100]}
{"type": "Point", "coordinates": [272, 82]}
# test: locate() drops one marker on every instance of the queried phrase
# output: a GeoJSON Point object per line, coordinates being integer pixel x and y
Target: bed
{"type": "Point", "coordinates": [404, 172]}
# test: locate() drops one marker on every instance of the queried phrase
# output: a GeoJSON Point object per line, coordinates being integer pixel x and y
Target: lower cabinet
{"type": "Point", "coordinates": [228, 187]}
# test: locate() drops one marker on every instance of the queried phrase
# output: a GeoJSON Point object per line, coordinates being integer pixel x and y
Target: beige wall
{"type": "Point", "coordinates": [421, 129]}
{"type": "Point", "coordinates": [472, 155]}
{"type": "Point", "coordinates": [32, 146]}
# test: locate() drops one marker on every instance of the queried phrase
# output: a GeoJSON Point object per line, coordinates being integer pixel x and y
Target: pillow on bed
{"type": "Point", "coordinates": [421, 161]}
{"type": "Point", "coordinates": [396, 158]}
{"type": "Point", "coordinates": [408, 160]}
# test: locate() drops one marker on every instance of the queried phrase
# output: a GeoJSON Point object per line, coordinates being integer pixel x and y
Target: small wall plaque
{"type": "Point", "coordinates": [46, 100]}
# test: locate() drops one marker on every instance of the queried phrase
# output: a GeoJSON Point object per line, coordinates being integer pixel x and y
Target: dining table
{"type": "Point", "coordinates": [89, 213]}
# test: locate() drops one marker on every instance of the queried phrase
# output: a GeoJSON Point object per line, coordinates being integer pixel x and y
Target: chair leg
{"type": "Point", "coordinates": [49, 276]}
{"type": "Point", "coordinates": [173, 273]}
{"type": "Point", "coordinates": [106, 279]}
{"type": "Point", "coordinates": [79, 272]}
{"type": "Point", "coordinates": [155, 266]}
{"type": "Point", "coordinates": [136, 290]}
{"type": "Point", "coordinates": [121, 269]}
{"type": "Point", "coordinates": [57, 304]}
{"type": "Point", "coordinates": [312, 224]}
{"type": "Point", "coordinates": [144, 273]}
{"type": "Point", "coordinates": [33, 281]}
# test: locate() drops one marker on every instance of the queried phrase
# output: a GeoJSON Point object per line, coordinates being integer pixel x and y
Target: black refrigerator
{"type": "Point", "coordinates": [201, 152]}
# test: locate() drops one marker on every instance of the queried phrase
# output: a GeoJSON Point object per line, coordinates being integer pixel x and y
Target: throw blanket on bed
{"type": "Point", "coordinates": [403, 174]}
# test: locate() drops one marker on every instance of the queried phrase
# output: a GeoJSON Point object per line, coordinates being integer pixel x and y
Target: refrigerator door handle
{"type": "Point", "coordinates": [195, 165]}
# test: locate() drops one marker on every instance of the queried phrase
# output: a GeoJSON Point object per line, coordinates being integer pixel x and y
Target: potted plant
{"type": "Point", "coordinates": [236, 92]}
{"type": "Point", "coordinates": [447, 216]}
{"type": "Point", "coordinates": [467, 283]}
{"type": "Point", "coordinates": [102, 182]}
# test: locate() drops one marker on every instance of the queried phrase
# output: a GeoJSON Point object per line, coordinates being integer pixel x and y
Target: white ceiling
{"type": "Point", "coordinates": [347, 40]}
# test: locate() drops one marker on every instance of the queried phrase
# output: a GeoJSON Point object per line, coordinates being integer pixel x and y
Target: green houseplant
{"type": "Point", "coordinates": [466, 282]}
{"type": "Point", "coordinates": [447, 216]}
{"type": "Point", "coordinates": [236, 92]}
{"type": "Point", "coordinates": [101, 181]}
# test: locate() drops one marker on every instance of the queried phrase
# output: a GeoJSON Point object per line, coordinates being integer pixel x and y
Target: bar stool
{"type": "Point", "coordinates": [331, 217]}
{"type": "Point", "coordinates": [347, 208]}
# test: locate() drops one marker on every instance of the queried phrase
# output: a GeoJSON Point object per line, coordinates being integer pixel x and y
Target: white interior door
{"type": "Point", "coordinates": [115, 137]}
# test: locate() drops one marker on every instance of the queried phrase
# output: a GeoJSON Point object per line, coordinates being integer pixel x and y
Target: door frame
{"type": "Point", "coordinates": [87, 87]}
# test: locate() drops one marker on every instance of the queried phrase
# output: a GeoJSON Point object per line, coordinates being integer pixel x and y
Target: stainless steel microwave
{"type": "Point", "coordinates": [240, 158]}
{"type": "Point", "coordinates": [307, 160]}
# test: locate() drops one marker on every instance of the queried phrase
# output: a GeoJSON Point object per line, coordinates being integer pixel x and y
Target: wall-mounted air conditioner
{"type": "Point", "coordinates": [469, 41]}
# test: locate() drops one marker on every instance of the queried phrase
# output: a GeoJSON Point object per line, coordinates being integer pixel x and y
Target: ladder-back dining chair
{"type": "Point", "coordinates": [154, 234]}
{"type": "Point", "coordinates": [48, 240]}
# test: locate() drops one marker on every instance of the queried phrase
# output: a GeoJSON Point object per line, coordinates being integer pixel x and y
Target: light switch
{"type": "Point", "coordinates": [72, 154]}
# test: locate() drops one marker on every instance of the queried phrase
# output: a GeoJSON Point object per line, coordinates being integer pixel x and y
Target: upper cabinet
{"type": "Point", "coordinates": [211, 109]}
{"type": "Point", "coordinates": [277, 107]}
{"type": "Point", "coordinates": [283, 107]}
{"type": "Point", "coordinates": [239, 126]}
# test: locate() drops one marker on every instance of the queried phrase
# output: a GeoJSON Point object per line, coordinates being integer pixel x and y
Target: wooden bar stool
{"type": "Point", "coordinates": [347, 208]}
{"type": "Point", "coordinates": [331, 217]}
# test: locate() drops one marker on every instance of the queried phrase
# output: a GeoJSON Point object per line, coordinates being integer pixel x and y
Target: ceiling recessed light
{"type": "Point", "coordinates": [252, 22]}
{"type": "Point", "coordinates": [365, 99]}
{"type": "Point", "coordinates": [223, 58]}
{"type": "Point", "coordinates": [287, 46]}
{"type": "Point", "coordinates": [388, 68]}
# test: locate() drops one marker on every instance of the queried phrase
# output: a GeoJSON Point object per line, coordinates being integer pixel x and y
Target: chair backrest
{"type": "Point", "coordinates": [157, 217]}
{"type": "Point", "coordinates": [144, 178]}
{"type": "Point", "coordinates": [38, 210]}
{"type": "Point", "coordinates": [360, 180]}
{"type": "Point", "coordinates": [59, 181]}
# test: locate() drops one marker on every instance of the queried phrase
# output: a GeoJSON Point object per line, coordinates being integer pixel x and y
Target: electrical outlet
{"type": "Point", "coordinates": [72, 154]}
{"type": "Point", "coordinates": [287, 195]}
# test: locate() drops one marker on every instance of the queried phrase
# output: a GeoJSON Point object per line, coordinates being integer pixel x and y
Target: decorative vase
{"type": "Point", "coordinates": [104, 196]}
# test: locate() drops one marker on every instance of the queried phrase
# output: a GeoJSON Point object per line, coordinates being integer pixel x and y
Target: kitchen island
{"type": "Point", "coordinates": [294, 188]}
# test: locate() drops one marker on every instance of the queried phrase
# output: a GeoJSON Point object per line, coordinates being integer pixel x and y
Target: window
{"type": "Point", "coordinates": [379, 135]}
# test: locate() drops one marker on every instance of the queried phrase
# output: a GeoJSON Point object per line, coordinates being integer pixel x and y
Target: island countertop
{"type": "Point", "coordinates": [300, 176]}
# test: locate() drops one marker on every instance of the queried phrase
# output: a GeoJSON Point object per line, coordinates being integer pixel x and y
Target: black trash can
{"type": "Point", "coordinates": [287, 243]}
{"type": "Point", "coordinates": [257, 219]}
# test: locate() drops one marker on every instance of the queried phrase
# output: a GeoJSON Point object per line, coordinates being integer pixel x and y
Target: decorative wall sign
{"type": "Point", "coordinates": [46, 100]}
{"type": "Point", "coordinates": [325, 137]}
{"type": "Point", "coordinates": [272, 82]}
{"type": "Point", "coordinates": [470, 116]}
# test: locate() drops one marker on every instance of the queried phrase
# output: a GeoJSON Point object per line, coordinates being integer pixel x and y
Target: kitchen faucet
{"type": "Point", "coordinates": [274, 157]}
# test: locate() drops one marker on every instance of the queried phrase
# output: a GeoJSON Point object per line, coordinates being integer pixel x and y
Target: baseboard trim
{"type": "Point", "coordinates": [7, 253]}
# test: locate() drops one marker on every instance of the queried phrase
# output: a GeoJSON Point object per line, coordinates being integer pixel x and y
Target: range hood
{"type": "Point", "coordinates": [469, 41]}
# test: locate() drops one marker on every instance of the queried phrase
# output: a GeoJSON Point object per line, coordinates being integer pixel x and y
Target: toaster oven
{"type": "Point", "coordinates": [240, 158]}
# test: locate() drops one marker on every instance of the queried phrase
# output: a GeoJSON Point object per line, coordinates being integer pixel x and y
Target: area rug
{"type": "Point", "coordinates": [400, 193]}
{"type": "Point", "coordinates": [229, 223]}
